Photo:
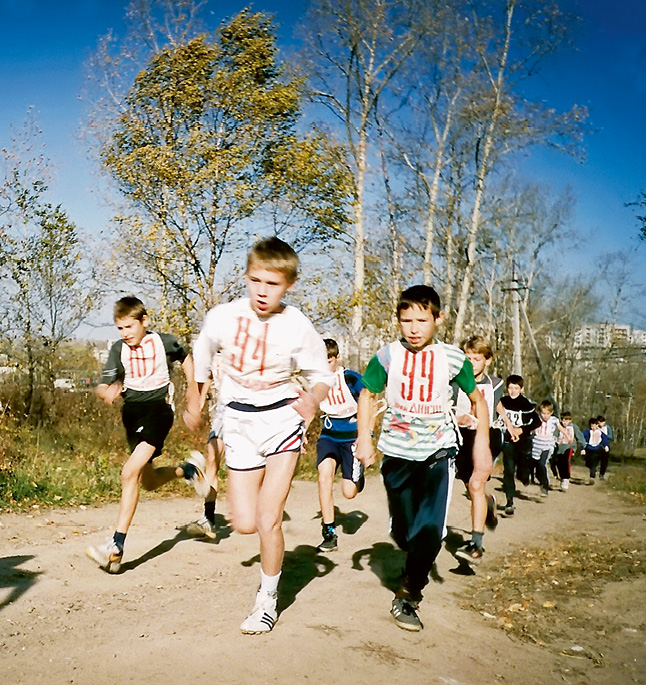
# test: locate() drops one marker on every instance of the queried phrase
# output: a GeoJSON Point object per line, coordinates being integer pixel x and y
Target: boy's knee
{"type": "Point", "coordinates": [129, 473]}
{"type": "Point", "coordinates": [243, 525]}
{"type": "Point", "coordinates": [267, 523]}
{"type": "Point", "coordinates": [349, 489]}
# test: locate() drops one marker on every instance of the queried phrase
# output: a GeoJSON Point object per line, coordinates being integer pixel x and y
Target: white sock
{"type": "Point", "coordinates": [269, 584]}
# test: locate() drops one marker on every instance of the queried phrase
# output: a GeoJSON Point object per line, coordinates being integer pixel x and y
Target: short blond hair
{"type": "Point", "coordinates": [478, 345]}
{"type": "Point", "coordinates": [276, 255]}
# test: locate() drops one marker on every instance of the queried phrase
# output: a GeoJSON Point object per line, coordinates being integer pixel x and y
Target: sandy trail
{"type": "Point", "coordinates": [173, 614]}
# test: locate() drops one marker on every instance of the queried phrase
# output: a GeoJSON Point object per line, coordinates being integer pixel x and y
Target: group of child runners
{"type": "Point", "coordinates": [443, 415]}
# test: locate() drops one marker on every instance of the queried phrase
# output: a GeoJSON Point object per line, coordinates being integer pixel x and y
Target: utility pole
{"type": "Point", "coordinates": [515, 288]}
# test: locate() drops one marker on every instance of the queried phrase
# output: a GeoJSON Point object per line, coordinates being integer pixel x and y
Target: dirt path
{"type": "Point", "coordinates": [173, 614]}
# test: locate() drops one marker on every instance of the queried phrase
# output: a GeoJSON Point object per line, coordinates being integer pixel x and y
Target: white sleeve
{"type": "Point", "coordinates": [205, 348]}
{"type": "Point", "coordinates": [310, 356]}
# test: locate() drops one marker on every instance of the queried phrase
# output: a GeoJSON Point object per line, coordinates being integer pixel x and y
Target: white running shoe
{"type": "Point", "coordinates": [565, 484]}
{"type": "Point", "coordinates": [201, 528]}
{"type": "Point", "coordinates": [108, 556]}
{"type": "Point", "coordinates": [264, 615]}
{"type": "Point", "coordinates": [198, 478]}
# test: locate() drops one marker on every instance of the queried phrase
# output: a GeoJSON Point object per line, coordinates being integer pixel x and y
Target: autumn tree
{"type": "Point", "coordinates": [206, 150]}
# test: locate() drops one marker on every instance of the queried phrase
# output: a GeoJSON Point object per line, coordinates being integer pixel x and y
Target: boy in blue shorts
{"type": "Point", "coordinates": [137, 369]}
{"type": "Point", "coordinates": [335, 446]}
{"type": "Point", "coordinates": [419, 437]}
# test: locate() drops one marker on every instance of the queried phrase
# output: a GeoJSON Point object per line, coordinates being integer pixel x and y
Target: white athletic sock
{"type": "Point", "coordinates": [269, 584]}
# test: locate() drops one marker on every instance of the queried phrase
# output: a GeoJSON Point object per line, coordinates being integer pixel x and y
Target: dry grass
{"type": "Point", "coordinates": [543, 594]}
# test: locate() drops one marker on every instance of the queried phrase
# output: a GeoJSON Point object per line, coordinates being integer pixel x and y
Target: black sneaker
{"type": "Point", "coordinates": [470, 553]}
{"type": "Point", "coordinates": [330, 541]}
{"type": "Point", "coordinates": [509, 509]}
{"type": "Point", "coordinates": [405, 614]}
{"type": "Point", "coordinates": [492, 519]}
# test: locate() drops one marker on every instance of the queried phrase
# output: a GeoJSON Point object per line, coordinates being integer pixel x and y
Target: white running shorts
{"type": "Point", "coordinates": [252, 436]}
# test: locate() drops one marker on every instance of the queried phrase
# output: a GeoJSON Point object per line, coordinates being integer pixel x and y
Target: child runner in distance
{"type": "Point", "coordinates": [543, 443]}
{"type": "Point", "coordinates": [596, 442]}
{"type": "Point", "coordinates": [419, 437]}
{"type": "Point", "coordinates": [138, 370]}
{"type": "Point", "coordinates": [263, 343]}
{"type": "Point", "coordinates": [517, 442]}
{"type": "Point", "coordinates": [605, 455]}
{"type": "Point", "coordinates": [335, 446]}
{"type": "Point", "coordinates": [565, 446]}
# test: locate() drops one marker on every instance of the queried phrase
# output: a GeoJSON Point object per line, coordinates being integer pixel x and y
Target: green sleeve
{"type": "Point", "coordinates": [375, 376]}
{"type": "Point", "coordinates": [465, 378]}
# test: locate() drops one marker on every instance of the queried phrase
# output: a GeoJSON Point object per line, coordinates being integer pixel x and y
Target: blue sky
{"type": "Point", "coordinates": [44, 44]}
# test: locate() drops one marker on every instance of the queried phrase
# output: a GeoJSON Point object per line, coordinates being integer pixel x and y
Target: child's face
{"type": "Point", "coordinates": [333, 363]}
{"type": "Point", "coordinates": [514, 390]}
{"type": "Point", "coordinates": [266, 289]}
{"type": "Point", "coordinates": [594, 426]}
{"type": "Point", "coordinates": [479, 362]}
{"type": "Point", "coordinates": [566, 422]}
{"type": "Point", "coordinates": [418, 326]}
{"type": "Point", "coordinates": [546, 413]}
{"type": "Point", "coordinates": [131, 330]}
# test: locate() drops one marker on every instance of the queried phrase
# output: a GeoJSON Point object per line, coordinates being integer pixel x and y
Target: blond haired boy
{"type": "Point", "coordinates": [263, 343]}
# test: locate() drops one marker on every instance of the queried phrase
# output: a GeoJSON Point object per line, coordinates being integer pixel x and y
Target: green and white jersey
{"type": "Point", "coordinates": [418, 421]}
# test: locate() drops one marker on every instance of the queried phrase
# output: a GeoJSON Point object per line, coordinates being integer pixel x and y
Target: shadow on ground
{"type": "Point", "coordinates": [300, 567]}
{"type": "Point", "coordinates": [15, 579]}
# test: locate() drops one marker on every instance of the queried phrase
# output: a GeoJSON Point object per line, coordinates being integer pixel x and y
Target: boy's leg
{"type": "Point", "coordinates": [418, 497]}
{"type": "Point", "coordinates": [595, 463]}
{"type": "Point", "coordinates": [271, 505]}
{"type": "Point", "coordinates": [508, 478]}
{"type": "Point", "coordinates": [326, 471]}
{"type": "Point", "coordinates": [205, 526]}
{"type": "Point", "coordinates": [603, 464]}
{"type": "Point", "coordinates": [108, 555]}
{"type": "Point", "coordinates": [541, 472]}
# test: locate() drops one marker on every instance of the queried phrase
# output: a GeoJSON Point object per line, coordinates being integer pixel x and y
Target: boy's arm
{"type": "Point", "coordinates": [192, 413]}
{"type": "Point", "coordinates": [482, 460]}
{"type": "Point", "coordinates": [109, 393]}
{"type": "Point", "coordinates": [366, 411]}
{"type": "Point", "coordinates": [307, 403]}
{"type": "Point", "coordinates": [513, 431]}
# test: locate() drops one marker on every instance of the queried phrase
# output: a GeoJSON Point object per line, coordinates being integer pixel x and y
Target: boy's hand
{"type": "Point", "coordinates": [306, 405]}
{"type": "Point", "coordinates": [467, 421]}
{"type": "Point", "coordinates": [109, 393]}
{"type": "Point", "coordinates": [364, 451]}
{"type": "Point", "coordinates": [192, 419]}
{"type": "Point", "coordinates": [514, 433]}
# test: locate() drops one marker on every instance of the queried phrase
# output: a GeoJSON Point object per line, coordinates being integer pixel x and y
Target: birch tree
{"type": "Point", "coordinates": [355, 50]}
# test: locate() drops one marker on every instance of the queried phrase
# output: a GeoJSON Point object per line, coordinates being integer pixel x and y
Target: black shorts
{"type": "Point", "coordinates": [464, 459]}
{"type": "Point", "coordinates": [147, 422]}
{"type": "Point", "coordinates": [341, 452]}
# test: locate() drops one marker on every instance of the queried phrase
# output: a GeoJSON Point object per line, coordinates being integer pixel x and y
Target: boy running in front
{"type": "Point", "coordinates": [263, 343]}
{"type": "Point", "coordinates": [419, 438]}
{"type": "Point", "coordinates": [137, 369]}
